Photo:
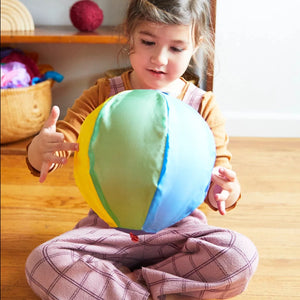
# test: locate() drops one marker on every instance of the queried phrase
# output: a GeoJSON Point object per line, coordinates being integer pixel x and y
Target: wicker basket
{"type": "Point", "coordinates": [24, 111]}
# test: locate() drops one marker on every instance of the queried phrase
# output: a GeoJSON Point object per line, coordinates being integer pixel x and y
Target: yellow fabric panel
{"type": "Point", "coordinates": [82, 168]}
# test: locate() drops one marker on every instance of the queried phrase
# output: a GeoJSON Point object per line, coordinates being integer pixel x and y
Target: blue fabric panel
{"type": "Point", "coordinates": [186, 173]}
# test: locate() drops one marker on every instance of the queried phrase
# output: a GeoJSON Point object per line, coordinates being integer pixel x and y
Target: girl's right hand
{"type": "Point", "coordinates": [41, 152]}
{"type": "Point", "coordinates": [225, 190]}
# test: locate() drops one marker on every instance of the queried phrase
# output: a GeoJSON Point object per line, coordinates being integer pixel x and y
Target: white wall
{"type": "Point", "coordinates": [257, 70]}
{"type": "Point", "coordinates": [80, 64]}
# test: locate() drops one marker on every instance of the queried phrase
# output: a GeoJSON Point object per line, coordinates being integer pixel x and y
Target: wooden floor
{"type": "Point", "coordinates": [269, 213]}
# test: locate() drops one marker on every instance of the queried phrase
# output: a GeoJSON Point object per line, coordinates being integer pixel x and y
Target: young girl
{"type": "Point", "coordinates": [187, 260]}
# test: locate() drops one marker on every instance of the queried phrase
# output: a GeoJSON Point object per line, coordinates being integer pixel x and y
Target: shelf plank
{"type": "Point", "coordinates": [64, 34]}
{"type": "Point", "coordinates": [16, 148]}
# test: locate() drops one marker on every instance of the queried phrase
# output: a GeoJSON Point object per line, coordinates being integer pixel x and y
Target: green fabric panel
{"type": "Point", "coordinates": [128, 147]}
{"type": "Point", "coordinates": [94, 140]}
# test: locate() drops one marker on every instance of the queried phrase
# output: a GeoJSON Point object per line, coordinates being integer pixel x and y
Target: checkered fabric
{"type": "Point", "coordinates": [192, 96]}
{"type": "Point", "coordinates": [190, 258]}
{"type": "Point", "coordinates": [116, 85]}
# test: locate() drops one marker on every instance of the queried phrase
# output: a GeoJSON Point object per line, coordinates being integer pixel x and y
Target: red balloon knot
{"type": "Point", "coordinates": [134, 237]}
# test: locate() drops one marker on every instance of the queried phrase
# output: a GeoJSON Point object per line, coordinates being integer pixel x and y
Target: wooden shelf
{"type": "Point", "coordinates": [16, 148]}
{"type": "Point", "coordinates": [64, 34]}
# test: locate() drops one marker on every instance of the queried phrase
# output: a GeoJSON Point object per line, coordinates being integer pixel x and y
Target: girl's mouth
{"type": "Point", "coordinates": [157, 72]}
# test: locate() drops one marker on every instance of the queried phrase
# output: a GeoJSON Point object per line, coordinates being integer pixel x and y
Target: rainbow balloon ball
{"type": "Point", "coordinates": [144, 161]}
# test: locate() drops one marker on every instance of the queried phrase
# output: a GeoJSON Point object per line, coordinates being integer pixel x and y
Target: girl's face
{"type": "Point", "coordinates": [160, 55]}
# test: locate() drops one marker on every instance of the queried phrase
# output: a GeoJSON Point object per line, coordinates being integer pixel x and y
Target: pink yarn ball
{"type": "Point", "coordinates": [86, 15]}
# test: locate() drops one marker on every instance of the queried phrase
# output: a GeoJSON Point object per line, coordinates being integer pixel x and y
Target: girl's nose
{"type": "Point", "coordinates": [159, 57]}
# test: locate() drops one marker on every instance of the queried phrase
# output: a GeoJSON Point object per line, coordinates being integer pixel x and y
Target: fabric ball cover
{"type": "Point", "coordinates": [144, 161]}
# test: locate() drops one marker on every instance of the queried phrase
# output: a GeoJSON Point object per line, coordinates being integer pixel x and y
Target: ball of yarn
{"type": "Point", "coordinates": [86, 15]}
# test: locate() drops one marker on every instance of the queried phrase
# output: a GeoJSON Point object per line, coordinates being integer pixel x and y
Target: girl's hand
{"type": "Point", "coordinates": [225, 189]}
{"type": "Point", "coordinates": [41, 152]}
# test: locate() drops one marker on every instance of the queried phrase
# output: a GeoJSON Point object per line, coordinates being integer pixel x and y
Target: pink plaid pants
{"type": "Point", "coordinates": [190, 258]}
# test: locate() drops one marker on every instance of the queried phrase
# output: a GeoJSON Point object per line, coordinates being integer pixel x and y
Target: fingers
{"type": "Point", "coordinates": [47, 143]}
{"type": "Point", "coordinates": [47, 165]}
{"type": "Point", "coordinates": [70, 147]}
{"type": "Point", "coordinates": [50, 144]}
{"type": "Point", "coordinates": [225, 178]}
{"type": "Point", "coordinates": [53, 117]}
{"type": "Point", "coordinates": [44, 171]}
{"type": "Point", "coordinates": [224, 174]}
{"type": "Point", "coordinates": [58, 145]}
{"type": "Point", "coordinates": [230, 175]}
{"type": "Point", "coordinates": [46, 138]}
{"type": "Point", "coordinates": [221, 207]}
{"type": "Point", "coordinates": [50, 158]}
{"type": "Point", "coordinates": [225, 187]}
{"type": "Point", "coordinates": [221, 196]}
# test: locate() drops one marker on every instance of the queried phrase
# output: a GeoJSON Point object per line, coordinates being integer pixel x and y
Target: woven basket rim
{"type": "Point", "coordinates": [28, 88]}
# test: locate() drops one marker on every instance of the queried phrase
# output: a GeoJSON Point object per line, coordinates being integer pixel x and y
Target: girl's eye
{"type": "Point", "coordinates": [176, 49]}
{"type": "Point", "coordinates": [147, 43]}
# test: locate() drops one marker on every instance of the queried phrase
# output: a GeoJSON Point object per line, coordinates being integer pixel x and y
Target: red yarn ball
{"type": "Point", "coordinates": [86, 15]}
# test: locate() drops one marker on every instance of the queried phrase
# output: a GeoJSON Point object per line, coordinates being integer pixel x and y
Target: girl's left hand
{"type": "Point", "coordinates": [225, 189]}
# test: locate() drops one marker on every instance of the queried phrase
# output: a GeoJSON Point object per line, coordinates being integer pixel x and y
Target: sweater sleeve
{"type": "Point", "coordinates": [210, 111]}
{"type": "Point", "coordinates": [83, 106]}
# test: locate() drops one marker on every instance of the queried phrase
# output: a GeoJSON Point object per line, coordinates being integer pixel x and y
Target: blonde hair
{"type": "Point", "coordinates": [177, 12]}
